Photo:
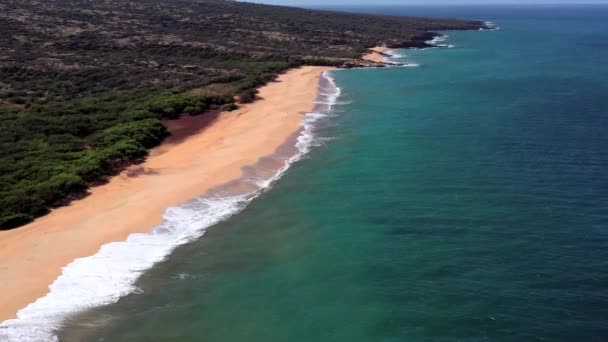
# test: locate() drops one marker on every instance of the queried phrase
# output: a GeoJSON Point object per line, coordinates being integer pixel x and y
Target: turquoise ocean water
{"type": "Point", "coordinates": [465, 199]}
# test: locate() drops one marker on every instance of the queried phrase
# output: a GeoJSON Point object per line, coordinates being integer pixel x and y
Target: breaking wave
{"type": "Point", "coordinates": [112, 272]}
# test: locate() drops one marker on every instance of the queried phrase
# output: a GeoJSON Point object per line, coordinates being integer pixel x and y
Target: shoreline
{"type": "Point", "coordinates": [377, 55]}
{"type": "Point", "coordinates": [174, 173]}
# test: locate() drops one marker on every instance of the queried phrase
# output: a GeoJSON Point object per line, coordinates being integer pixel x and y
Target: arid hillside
{"type": "Point", "coordinates": [84, 84]}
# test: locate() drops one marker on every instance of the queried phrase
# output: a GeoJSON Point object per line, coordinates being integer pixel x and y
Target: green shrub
{"type": "Point", "coordinates": [248, 96]}
{"type": "Point", "coordinates": [55, 188]}
{"type": "Point", "coordinates": [13, 220]}
{"type": "Point", "coordinates": [230, 107]}
{"type": "Point", "coordinates": [148, 133]}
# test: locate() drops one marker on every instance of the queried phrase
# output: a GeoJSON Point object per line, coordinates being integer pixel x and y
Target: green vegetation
{"type": "Point", "coordinates": [48, 152]}
{"type": "Point", "coordinates": [85, 84]}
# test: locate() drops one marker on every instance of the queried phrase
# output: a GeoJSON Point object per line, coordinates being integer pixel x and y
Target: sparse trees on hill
{"type": "Point", "coordinates": [84, 84]}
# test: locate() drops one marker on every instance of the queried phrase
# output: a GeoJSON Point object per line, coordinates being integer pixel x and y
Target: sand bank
{"type": "Point", "coordinates": [376, 54]}
{"type": "Point", "coordinates": [31, 257]}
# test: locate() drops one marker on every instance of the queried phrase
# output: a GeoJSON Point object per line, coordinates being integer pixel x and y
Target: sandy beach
{"type": "Point", "coordinates": [31, 257]}
{"type": "Point", "coordinates": [376, 54]}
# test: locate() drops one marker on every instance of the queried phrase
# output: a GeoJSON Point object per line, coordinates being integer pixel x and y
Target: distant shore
{"type": "Point", "coordinates": [377, 54]}
{"type": "Point", "coordinates": [32, 256]}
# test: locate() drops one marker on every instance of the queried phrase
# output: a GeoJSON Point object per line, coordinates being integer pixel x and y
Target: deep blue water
{"type": "Point", "coordinates": [462, 200]}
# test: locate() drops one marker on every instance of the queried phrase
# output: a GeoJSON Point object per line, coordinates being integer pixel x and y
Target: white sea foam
{"type": "Point", "coordinates": [340, 103]}
{"type": "Point", "coordinates": [408, 65]}
{"type": "Point", "coordinates": [395, 54]}
{"type": "Point", "coordinates": [491, 26]}
{"type": "Point", "coordinates": [396, 59]}
{"type": "Point", "coordinates": [111, 273]}
{"type": "Point", "coordinates": [439, 39]}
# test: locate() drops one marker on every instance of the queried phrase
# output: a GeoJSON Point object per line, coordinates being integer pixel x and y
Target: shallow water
{"type": "Point", "coordinates": [461, 200]}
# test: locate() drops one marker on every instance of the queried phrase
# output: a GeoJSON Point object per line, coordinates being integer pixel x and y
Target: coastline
{"type": "Point", "coordinates": [175, 172]}
{"type": "Point", "coordinates": [377, 55]}
{"type": "Point", "coordinates": [382, 55]}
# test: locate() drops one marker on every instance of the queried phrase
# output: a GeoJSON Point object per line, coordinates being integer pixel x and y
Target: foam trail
{"type": "Point", "coordinates": [442, 38]}
{"type": "Point", "coordinates": [111, 273]}
{"type": "Point", "coordinates": [394, 57]}
{"type": "Point", "coordinates": [395, 54]}
{"type": "Point", "coordinates": [490, 27]}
